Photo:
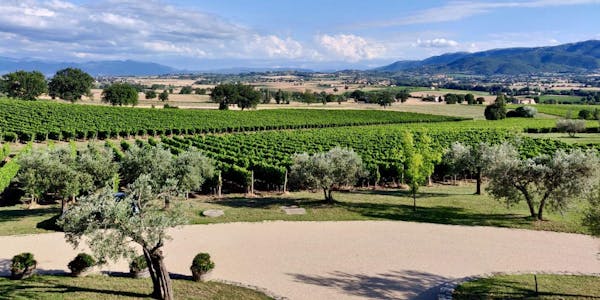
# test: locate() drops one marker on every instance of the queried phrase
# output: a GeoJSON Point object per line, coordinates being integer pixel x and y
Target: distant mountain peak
{"type": "Point", "coordinates": [95, 68]}
{"type": "Point", "coordinates": [578, 57]}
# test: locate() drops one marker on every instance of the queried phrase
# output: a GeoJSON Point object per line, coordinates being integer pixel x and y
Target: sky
{"type": "Point", "coordinates": [313, 34]}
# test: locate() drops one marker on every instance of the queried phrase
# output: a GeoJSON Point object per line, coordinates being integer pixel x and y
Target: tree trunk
{"type": "Point", "coordinates": [530, 205]}
{"type": "Point", "coordinates": [325, 194]}
{"type": "Point", "coordinates": [167, 202]}
{"type": "Point", "coordinates": [329, 196]}
{"type": "Point", "coordinates": [161, 282]}
{"type": "Point", "coordinates": [429, 181]}
{"type": "Point", "coordinates": [478, 191]}
{"type": "Point", "coordinates": [285, 180]}
{"type": "Point", "coordinates": [63, 206]}
{"type": "Point", "coordinates": [540, 213]}
{"type": "Point", "coordinates": [414, 201]}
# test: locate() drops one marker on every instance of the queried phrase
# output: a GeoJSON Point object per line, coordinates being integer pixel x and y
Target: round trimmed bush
{"type": "Point", "coordinates": [22, 265]}
{"type": "Point", "coordinates": [201, 265]}
{"type": "Point", "coordinates": [81, 263]}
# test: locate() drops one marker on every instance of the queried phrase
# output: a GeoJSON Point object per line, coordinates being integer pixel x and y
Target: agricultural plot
{"type": "Point", "coordinates": [40, 121]}
{"type": "Point", "coordinates": [267, 155]}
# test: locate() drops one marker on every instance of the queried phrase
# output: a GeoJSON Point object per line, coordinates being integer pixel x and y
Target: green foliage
{"type": "Point", "coordinates": [186, 90]}
{"type": "Point", "coordinates": [81, 262]}
{"type": "Point", "coordinates": [138, 264]}
{"type": "Point", "coordinates": [335, 169]}
{"type": "Point", "coordinates": [542, 180]}
{"type": "Point", "coordinates": [55, 121]}
{"type": "Point", "coordinates": [497, 110]}
{"type": "Point", "coordinates": [244, 96]}
{"type": "Point", "coordinates": [23, 85]}
{"type": "Point", "coordinates": [164, 96]}
{"type": "Point", "coordinates": [23, 261]}
{"type": "Point", "coordinates": [572, 127]}
{"type": "Point", "coordinates": [120, 94]}
{"type": "Point", "coordinates": [70, 84]}
{"type": "Point", "coordinates": [151, 94]}
{"type": "Point", "coordinates": [202, 263]}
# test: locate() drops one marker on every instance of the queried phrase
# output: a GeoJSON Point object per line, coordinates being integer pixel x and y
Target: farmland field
{"type": "Point", "coordinates": [560, 98]}
{"type": "Point", "coordinates": [47, 120]}
{"type": "Point", "coordinates": [561, 110]}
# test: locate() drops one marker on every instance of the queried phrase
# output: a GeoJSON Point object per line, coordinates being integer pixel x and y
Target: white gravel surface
{"type": "Point", "coordinates": [346, 260]}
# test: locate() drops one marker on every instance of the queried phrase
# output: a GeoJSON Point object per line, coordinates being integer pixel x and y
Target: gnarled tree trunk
{"type": "Point", "coordinates": [161, 281]}
{"type": "Point", "coordinates": [478, 191]}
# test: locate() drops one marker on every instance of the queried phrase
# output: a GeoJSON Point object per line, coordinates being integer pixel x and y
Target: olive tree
{"type": "Point", "coordinates": [570, 126]}
{"type": "Point", "coordinates": [64, 172]}
{"type": "Point", "coordinates": [542, 180]}
{"type": "Point", "coordinates": [592, 215]}
{"type": "Point", "coordinates": [171, 175]}
{"type": "Point", "coordinates": [112, 227]}
{"type": "Point", "coordinates": [327, 171]}
{"type": "Point", "coordinates": [471, 159]}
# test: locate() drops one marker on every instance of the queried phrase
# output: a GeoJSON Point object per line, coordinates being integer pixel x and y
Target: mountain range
{"type": "Point", "coordinates": [581, 57]}
{"type": "Point", "coordinates": [95, 68]}
{"type": "Point", "coordinates": [567, 58]}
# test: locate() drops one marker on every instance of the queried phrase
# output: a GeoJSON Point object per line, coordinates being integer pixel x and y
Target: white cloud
{"type": "Point", "coordinates": [273, 46]}
{"type": "Point", "coordinates": [437, 43]}
{"type": "Point", "coordinates": [350, 47]}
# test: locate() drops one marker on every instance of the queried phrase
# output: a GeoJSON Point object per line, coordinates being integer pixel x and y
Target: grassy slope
{"type": "Point", "coordinates": [523, 287]}
{"type": "Point", "coordinates": [439, 204]}
{"type": "Point", "coordinates": [103, 287]}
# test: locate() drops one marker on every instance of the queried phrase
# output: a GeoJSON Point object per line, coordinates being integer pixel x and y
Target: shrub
{"type": "Point", "coordinates": [138, 264]}
{"type": "Point", "coordinates": [584, 114]}
{"type": "Point", "coordinates": [201, 265]}
{"type": "Point", "coordinates": [22, 265]}
{"type": "Point", "coordinates": [81, 262]}
{"type": "Point", "coordinates": [526, 111]}
{"type": "Point", "coordinates": [495, 111]}
{"type": "Point", "coordinates": [570, 126]}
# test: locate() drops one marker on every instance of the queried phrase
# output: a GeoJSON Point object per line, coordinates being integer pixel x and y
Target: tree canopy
{"type": "Point", "coordinates": [496, 110]}
{"type": "Point", "coordinates": [70, 84]}
{"type": "Point", "coordinates": [120, 94]}
{"type": "Point", "coordinates": [542, 180]}
{"type": "Point", "coordinates": [244, 96]}
{"type": "Point", "coordinates": [327, 171]}
{"type": "Point", "coordinates": [23, 85]}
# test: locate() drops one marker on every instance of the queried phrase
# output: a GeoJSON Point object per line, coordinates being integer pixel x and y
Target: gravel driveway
{"type": "Point", "coordinates": [346, 260]}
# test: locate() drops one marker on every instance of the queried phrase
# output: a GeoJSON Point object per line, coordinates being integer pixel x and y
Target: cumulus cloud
{"type": "Point", "coordinates": [274, 46]}
{"type": "Point", "coordinates": [350, 47]}
{"type": "Point", "coordinates": [437, 43]}
{"type": "Point", "coordinates": [108, 29]}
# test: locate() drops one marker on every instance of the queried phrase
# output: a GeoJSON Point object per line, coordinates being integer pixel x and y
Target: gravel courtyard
{"type": "Point", "coordinates": [345, 260]}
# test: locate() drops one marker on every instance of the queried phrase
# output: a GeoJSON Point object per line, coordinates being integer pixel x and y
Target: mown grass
{"type": "Point", "coordinates": [523, 287]}
{"type": "Point", "coordinates": [580, 138]}
{"type": "Point", "coordinates": [104, 287]}
{"type": "Point", "coordinates": [456, 205]}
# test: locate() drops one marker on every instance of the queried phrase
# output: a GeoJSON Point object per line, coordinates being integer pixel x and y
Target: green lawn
{"type": "Point", "coordinates": [561, 110]}
{"type": "Point", "coordinates": [104, 287]}
{"type": "Point", "coordinates": [523, 287]}
{"type": "Point", "coordinates": [580, 138]}
{"type": "Point", "coordinates": [21, 220]}
{"type": "Point", "coordinates": [560, 98]}
{"type": "Point", "coordinates": [439, 204]}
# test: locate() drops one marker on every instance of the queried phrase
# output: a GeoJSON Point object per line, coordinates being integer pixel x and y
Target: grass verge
{"type": "Point", "coordinates": [523, 287]}
{"type": "Point", "coordinates": [441, 204]}
{"type": "Point", "coordinates": [104, 287]}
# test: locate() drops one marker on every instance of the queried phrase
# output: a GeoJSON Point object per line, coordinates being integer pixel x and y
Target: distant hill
{"type": "Point", "coordinates": [95, 68]}
{"type": "Point", "coordinates": [567, 58]}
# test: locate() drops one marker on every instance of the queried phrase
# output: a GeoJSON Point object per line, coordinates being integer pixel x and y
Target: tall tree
{"type": "Point", "coordinates": [496, 110]}
{"type": "Point", "coordinates": [419, 162]}
{"type": "Point", "coordinates": [120, 94]}
{"type": "Point", "coordinates": [164, 96]}
{"type": "Point", "coordinates": [542, 180]}
{"type": "Point", "coordinates": [70, 84]}
{"type": "Point", "coordinates": [23, 85]}
{"type": "Point", "coordinates": [327, 171]}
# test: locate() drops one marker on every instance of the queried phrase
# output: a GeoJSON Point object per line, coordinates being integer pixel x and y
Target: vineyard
{"type": "Point", "coordinates": [268, 154]}
{"type": "Point", "coordinates": [39, 121]}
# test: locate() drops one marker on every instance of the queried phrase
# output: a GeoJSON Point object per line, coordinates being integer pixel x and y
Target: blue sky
{"type": "Point", "coordinates": [325, 34]}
